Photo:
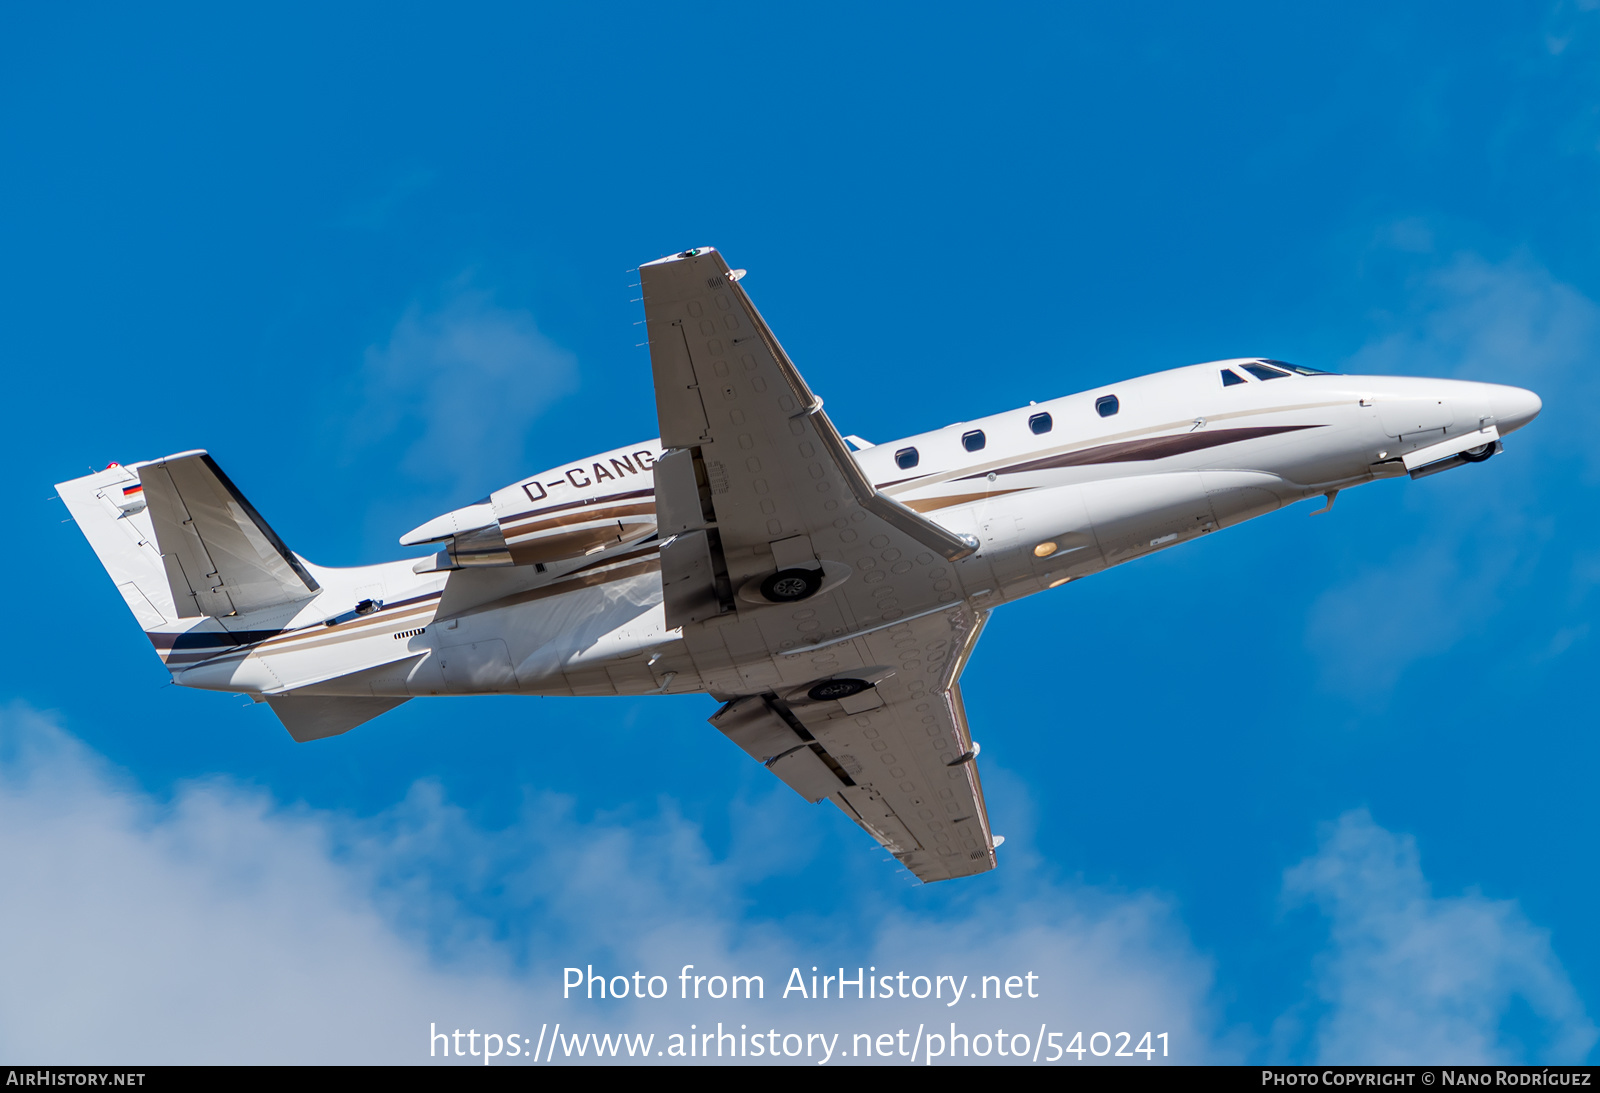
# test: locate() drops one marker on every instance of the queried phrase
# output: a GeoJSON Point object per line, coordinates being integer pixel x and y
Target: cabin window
{"type": "Point", "coordinates": [974, 441]}
{"type": "Point", "coordinates": [906, 458]}
{"type": "Point", "coordinates": [1262, 372]}
{"type": "Point", "coordinates": [1040, 423]}
{"type": "Point", "coordinates": [1106, 405]}
{"type": "Point", "coordinates": [1230, 377]}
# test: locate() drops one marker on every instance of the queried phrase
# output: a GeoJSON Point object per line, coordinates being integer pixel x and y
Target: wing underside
{"type": "Point", "coordinates": [755, 477]}
{"type": "Point", "coordinates": [896, 757]}
{"type": "Point", "coordinates": [756, 486]}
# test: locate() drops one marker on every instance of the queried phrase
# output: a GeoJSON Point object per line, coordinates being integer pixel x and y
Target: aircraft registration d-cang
{"type": "Point", "coordinates": [829, 598]}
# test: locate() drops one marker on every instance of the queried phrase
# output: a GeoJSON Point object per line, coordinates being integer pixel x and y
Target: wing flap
{"type": "Point", "coordinates": [756, 724]}
{"type": "Point", "coordinates": [689, 586]}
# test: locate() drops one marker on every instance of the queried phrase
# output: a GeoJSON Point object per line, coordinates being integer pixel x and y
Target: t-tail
{"type": "Point", "coordinates": [209, 580]}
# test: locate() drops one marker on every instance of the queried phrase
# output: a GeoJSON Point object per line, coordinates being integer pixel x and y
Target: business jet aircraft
{"type": "Point", "coordinates": [829, 598]}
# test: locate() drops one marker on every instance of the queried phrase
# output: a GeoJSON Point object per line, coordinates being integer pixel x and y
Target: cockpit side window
{"type": "Point", "coordinates": [1262, 372]}
{"type": "Point", "coordinates": [1300, 368]}
{"type": "Point", "coordinates": [1106, 405]}
{"type": "Point", "coordinates": [906, 458]}
{"type": "Point", "coordinates": [1040, 423]}
{"type": "Point", "coordinates": [1230, 377]}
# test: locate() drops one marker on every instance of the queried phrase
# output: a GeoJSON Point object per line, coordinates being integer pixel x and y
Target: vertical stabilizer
{"type": "Point", "coordinates": [111, 511]}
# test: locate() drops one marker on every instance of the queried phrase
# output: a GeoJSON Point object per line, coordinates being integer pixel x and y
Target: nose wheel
{"type": "Point", "coordinates": [1478, 454]}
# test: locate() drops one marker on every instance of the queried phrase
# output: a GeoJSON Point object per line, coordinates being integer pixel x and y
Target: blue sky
{"type": "Point", "coordinates": [1316, 789]}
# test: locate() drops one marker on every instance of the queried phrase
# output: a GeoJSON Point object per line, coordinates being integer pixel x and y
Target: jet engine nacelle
{"type": "Point", "coordinates": [563, 513]}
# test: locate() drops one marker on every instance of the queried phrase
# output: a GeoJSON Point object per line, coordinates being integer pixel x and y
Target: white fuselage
{"type": "Point", "coordinates": [1181, 456]}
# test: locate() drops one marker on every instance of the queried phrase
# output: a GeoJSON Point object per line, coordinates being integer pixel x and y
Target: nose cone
{"type": "Point", "coordinates": [1514, 407]}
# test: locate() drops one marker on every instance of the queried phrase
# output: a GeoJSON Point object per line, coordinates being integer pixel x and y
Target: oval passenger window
{"type": "Point", "coordinates": [906, 458]}
{"type": "Point", "coordinates": [1106, 405]}
{"type": "Point", "coordinates": [1040, 423]}
{"type": "Point", "coordinates": [973, 441]}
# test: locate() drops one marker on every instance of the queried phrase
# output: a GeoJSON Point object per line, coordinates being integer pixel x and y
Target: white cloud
{"type": "Point", "coordinates": [213, 929]}
{"type": "Point", "coordinates": [463, 380]}
{"type": "Point", "coordinates": [1112, 965]}
{"type": "Point", "coordinates": [1411, 977]}
{"type": "Point", "coordinates": [221, 926]}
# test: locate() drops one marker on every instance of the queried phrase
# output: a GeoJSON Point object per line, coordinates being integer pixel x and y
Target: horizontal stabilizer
{"type": "Point", "coordinates": [314, 717]}
{"type": "Point", "coordinates": [221, 557]}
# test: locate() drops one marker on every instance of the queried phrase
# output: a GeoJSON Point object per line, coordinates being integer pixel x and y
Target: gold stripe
{"type": "Point", "coordinates": [929, 504]}
{"type": "Point", "coordinates": [316, 636]}
{"type": "Point", "coordinates": [309, 638]}
{"type": "Point", "coordinates": [533, 524]}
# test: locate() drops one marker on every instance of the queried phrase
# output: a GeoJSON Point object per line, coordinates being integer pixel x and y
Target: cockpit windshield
{"type": "Point", "coordinates": [1262, 372]}
{"type": "Point", "coordinates": [1299, 368]}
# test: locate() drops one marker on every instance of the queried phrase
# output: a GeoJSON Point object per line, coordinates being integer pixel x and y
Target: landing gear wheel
{"type": "Point", "coordinates": [791, 585]}
{"type": "Point", "coordinates": [836, 688]}
{"type": "Point", "coordinates": [1478, 455]}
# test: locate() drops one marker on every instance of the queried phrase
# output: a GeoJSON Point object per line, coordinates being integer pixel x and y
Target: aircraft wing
{"type": "Point", "coordinates": [897, 758]}
{"type": "Point", "coordinates": [756, 486]}
{"type": "Point", "coordinates": [755, 478]}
